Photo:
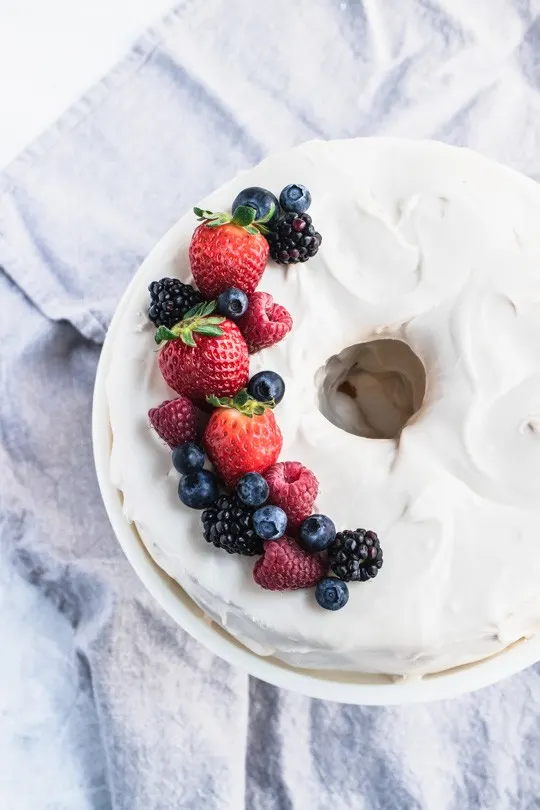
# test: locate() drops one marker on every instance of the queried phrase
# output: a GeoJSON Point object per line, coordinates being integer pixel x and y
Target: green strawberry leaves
{"type": "Point", "coordinates": [163, 334]}
{"type": "Point", "coordinates": [197, 321]}
{"type": "Point", "coordinates": [242, 402]}
{"type": "Point", "coordinates": [244, 217]}
{"type": "Point", "coordinates": [200, 310]}
{"type": "Point", "coordinates": [208, 331]}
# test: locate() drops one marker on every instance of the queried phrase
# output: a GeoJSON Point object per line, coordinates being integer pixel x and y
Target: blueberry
{"type": "Point", "coordinates": [188, 458]}
{"type": "Point", "coordinates": [198, 489]}
{"type": "Point", "coordinates": [262, 200]}
{"type": "Point", "coordinates": [252, 489]}
{"type": "Point", "coordinates": [266, 386]}
{"type": "Point", "coordinates": [317, 532]}
{"type": "Point", "coordinates": [295, 198]}
{"type": "Point", "coordinates": [331, 593]}
{"type": "Point", "coordinates": [270, 522]}
{"type": "Point", "coordinates": [232, 303]}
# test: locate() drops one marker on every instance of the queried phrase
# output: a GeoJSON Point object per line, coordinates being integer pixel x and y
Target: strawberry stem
{"type": "Point", "coordinates": [243, 217]}
{"type": "Point", "coordinates": [242, 403]}
{"type": "Point", "coordinates": [197, 321]}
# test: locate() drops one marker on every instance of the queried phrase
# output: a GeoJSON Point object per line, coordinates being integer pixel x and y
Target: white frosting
{"type": "Point", "coordinates": [437, 247]}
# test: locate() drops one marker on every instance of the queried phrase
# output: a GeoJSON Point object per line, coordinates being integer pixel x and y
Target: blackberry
{"type": "Point", "coordinates": [170, 299]}
{"type": "Point", "coordinates": [294, 239]}
{"type": "Point", "coordinates": [355, 555]}
{"type": "Point", "coordinates": [227, 524]}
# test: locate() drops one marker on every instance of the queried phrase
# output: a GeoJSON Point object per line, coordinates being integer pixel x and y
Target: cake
{"type": "Point", "coordinates": [412, 374]}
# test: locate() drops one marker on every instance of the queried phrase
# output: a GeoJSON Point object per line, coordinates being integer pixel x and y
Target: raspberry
{"type": "Point", "coordinates": [293, 487]}
{"type": "Point", "coordinates": [285, 567]}
{"type": "Point", "coordinates": [265, 322]}
{"type": "Point", "coordinates": [356, 555]}
{"type": "Point", "coordinates": [175, 421]}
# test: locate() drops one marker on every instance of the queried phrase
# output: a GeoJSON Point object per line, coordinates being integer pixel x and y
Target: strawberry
{"type": "Point", "coordinates": [228, 251]}
{"type": "Point", "coordinates": [264, 323]}
{"type": "Point", "coordinates": [242, 436]}
{"type": "Point", "coordinates": [175, 421]}
{"type": "Point", "coordinates": [286, 567]}
{"type": "Point", "coordinates": [294, 488]}
{"type": "Point", "coordinates": [203, 355]}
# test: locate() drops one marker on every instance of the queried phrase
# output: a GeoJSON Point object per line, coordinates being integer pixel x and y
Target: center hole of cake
{"type": "Point", "coordinates": [372, 389]}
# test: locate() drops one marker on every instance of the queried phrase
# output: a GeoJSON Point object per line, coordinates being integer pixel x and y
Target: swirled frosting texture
{"type": "Point", "coordinates": [440, 248]}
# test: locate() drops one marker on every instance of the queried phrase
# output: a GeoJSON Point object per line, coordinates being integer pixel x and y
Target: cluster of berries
{"type": "Point", "coordinates": [206, 336]}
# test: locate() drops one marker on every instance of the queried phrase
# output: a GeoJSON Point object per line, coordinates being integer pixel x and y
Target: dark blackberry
{"type": "Point", "coordinates": [170, 299]}
{"type": "Point", "coordinates": [227, 524]}
{"type": "Point", "coordinates": [355, 555]}
{"type": "Point", "coordinates": [294, 239]}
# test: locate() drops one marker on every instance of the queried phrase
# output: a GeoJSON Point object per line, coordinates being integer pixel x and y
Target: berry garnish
{"type": "Point", "coordinates": [270, 522]}
{"type": "Point", "coordinates": [295, 198]}
{"type": "Point", "coordinates": [263, 202]}
{"type": "Point", "coordinates": [294, 239]}
{"type": "Point", "coordinates": [332, 593]}
{"type": "Point", "coordinates": [228, 252]}
{"type": "Point", "coordinates": [267, 386]}
{"type": "Point", "coordinates": [203, 355]}
{"type": "Point", "coordinates": [356, 555]}
{"type": "Point", "coordinates": [265, 323]}
{"type": "Point", "coordinates": [198, 489]}
{"type": "Point", "coordinates": [175, 421]}
{"type": "Point", "coordinates": [252, 489]}
{"type": "Point", "coordinates": [242, 436]}
{"type": "Point", "coordinates": [232, 303]}
{"type": "Point", "coordinates": [294, 488]}
{"type": "Point", "coordinates": [286, 567]}
{"type": "Point", "coordinates": [227, 524]}
{"type": "Point", "coordinates": [317, 533]}
{"type": "Point", "coordinates": [170, 299]}
{"type": "Point", "coordinates": [188, 458]}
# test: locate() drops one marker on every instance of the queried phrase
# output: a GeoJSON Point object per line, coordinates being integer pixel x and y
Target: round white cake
{"type": "Point", "coordinates": [413, 393]}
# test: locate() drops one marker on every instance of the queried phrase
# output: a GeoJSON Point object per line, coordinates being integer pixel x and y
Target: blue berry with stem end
{"type": "Point", "coordinates": [295, 197]}
{"type": "Point", "coordinates": [188, 458]}
{"type": "Point", "coordinates": [232, 303]}
{"type": "Point", "coordinates": [264, 203]}
{"type": "Point", "coordinates": [267, 386]}
{"type": "Point", "coordinates": [331, 593]}
{"type": "Point", "coordinates": [270, 522]}
{"type": "Point", "coordinates": [198, 489]}
{"type": "Point", "coordinates": [317, 533]}
{"type": "Point", "coordinates": [252, 489]}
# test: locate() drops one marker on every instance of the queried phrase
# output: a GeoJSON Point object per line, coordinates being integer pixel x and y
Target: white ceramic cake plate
{"type": "Point", "coordinates": [341, 687]}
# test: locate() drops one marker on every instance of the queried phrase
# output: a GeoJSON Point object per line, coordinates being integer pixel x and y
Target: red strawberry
{"type": "Point", "coordinates": [228, 252]}
{"type": "Point", "coordinates": [242, 436]}
{"type": "Point", "coordinates": [286, 567]}
{"type": "Point", "coordinates": [265, 323]}
{"type": "Point", "coordinates": [203, 355]}
{"type": "Point", "coordinates": [294, 488]}
{"type": "Point", "coordinates": [175, 421]}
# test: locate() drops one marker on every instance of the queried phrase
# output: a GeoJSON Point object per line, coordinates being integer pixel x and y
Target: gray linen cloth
{"type": "Point", "coordinates": [104, 702]}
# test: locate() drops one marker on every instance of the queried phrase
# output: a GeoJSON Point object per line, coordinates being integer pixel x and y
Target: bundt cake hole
{"type": "Point", "coordinates": [372, 389]}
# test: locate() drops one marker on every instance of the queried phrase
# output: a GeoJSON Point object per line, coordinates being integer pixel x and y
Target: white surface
{"type": "Point", "coordinates": [51, 51]}
{"type": "Point", "coordinates": [435, 496]}
{"type": "Point", "coordinates": [184, 611]}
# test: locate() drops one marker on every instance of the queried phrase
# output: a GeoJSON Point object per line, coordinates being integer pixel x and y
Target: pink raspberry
{"type": "Point", "coordinates": [286, 567]}
{"type": "Point", "coordinates": [294, 488]}
{"type": "Point", "coordinates": [265, 322]}
{"type": "Point", "coordinates": [175, 421]}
